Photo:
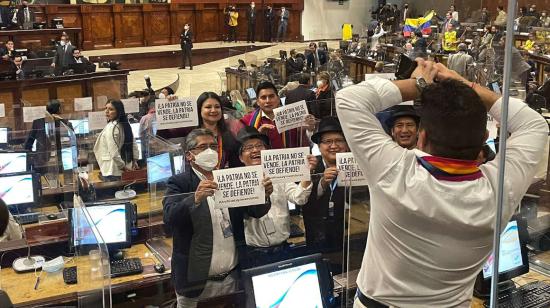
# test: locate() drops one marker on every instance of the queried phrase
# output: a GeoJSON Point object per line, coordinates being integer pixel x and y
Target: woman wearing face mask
{"type": "Point", "coordinates": [323, 106]}
{"type": "Point", "coordinates": [115, 149]}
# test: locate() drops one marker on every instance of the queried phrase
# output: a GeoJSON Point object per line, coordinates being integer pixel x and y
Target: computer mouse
{"type": "Point", "coordinates": [159, 268]}
{"type": "Point", "coordinates": [51, 216]}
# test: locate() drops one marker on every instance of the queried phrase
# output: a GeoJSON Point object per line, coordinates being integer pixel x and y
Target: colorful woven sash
{"type": "Point", "coordinates": [256, 120]}
{"type": "Point", "coordinates": [448, 169]}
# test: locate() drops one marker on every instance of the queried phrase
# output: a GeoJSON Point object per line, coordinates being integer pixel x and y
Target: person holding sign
{"type": "Point", "coordinates": [433, 208]}
{"type": "Point", "coordinates": [205, 238]}
{"type": "Point", "coordinates": [115, 148]}
{"type": "Point", "coordinates": [266, 236]}
{"type": "Point", "coordinates": [324, 211]}
{"type": "Point", "coordinates": [262, 119]}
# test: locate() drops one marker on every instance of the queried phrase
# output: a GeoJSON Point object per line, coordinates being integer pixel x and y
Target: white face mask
{"type": "Point", "coordinates": [320, 83]}
{"type": "Point", "coordinates": [62, 43]}
{"type": "Point", "coordinates": [207, 159]}
{"type": "Point", "coordinates": [186, 27]}
{"type": "Point", "coordinates": [161, 95]}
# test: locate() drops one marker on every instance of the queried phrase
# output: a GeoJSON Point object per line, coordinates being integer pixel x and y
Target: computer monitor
{"type": "Point", "coordinates": [513, 260]}
{"type": "Point", "coordinates": [80, 127]}
{"type": "Point", "coordinates": [20, 191]}
{"type": "Point", "coordinates": [13, 162]}
{"type": "Point", "coordinates": [495, 87]}
{"type": "Point", "coordinates": [178, 163]}
{"type": "Point", "coordinates": [298, 282]}
{"type": "Point", "coordinates": [112, 222]}
{"type": "Point", "coordinates": [4, 134]}
{"type": "Point", "coordinates": [251, 93]}
{"type": "Point", "coordinates": [135, 130]}
{"type": "Point", "coordinates": [69, 158]}
{"type": "Point", "coordinates": [159, 168]}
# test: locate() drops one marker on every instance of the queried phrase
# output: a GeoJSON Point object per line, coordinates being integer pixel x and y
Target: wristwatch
{"type": "Point", "coordinates": [421, 84]}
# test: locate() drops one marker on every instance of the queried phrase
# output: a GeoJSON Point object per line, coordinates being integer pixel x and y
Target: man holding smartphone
{"type": "Point", "coordinates": [433, 208]}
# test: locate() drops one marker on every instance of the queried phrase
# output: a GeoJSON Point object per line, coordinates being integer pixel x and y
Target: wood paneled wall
{"type": "Point", "coordinates": [133, 25]}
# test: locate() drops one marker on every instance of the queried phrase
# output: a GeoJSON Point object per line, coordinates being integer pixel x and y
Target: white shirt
{"type": "Point", "coordinates": [224, 254]}
{"type": "Point", "coordinates": [13, 231]}
{"type": "Point", "coordinates": [428, 239]}
{"type": "Point", "coordinates": [274, 228]}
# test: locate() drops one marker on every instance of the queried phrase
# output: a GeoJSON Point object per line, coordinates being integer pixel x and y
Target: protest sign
{"type": "Point", "coordinates": [290, 116]}
{"type": "Point", "coordinates": [239, 186]}
{"type": "Point", "coordinates": [131, 105]}
{"type": "Point", "coordinates": [286, 165]}
{"type": "Point", "coordinates": [83, 103]}
{"type": "Point", "coordinates": [96, 120]}
{"type": "Point", "coordinates": [176, 113]}
{"type": "Point", "coordinates": [32, 113]}
{"type": "Point", "coordinates": [349, 173]}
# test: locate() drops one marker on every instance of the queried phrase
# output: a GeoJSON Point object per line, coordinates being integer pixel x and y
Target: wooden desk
{"type": "Point", "coordinates": [541, 61]}
{"type": "Point", "coordinates": [37, 92]}
{"type": "Point", "coordinates": [239, 80]}
{"type": "Point", "coordinates": [53, 290]}
{"type": "Point", "coordinates": [36, 38]}
{"type": "Point", "coordinates": [358, 67]}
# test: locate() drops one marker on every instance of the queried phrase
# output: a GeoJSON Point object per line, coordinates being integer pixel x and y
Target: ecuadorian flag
{"type": "Point", "coordinates": [422, 23]}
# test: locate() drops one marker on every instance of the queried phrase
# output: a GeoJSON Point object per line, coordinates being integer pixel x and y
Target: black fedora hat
{"type": "Point", "coordinates": [402, 111]}
{"type": "Point", "coordinates": [249, 132]}
{"type": "Point", "coordinates": [328, 124]}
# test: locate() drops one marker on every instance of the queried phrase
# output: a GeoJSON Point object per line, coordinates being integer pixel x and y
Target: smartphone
{"type": "Point", "coordinates": [405, 67]}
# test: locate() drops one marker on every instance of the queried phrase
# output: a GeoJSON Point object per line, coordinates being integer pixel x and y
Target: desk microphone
{"type": "Point", "coordinates": [126, 192]}
{"type": "Point", "coordinates": [28, 263]}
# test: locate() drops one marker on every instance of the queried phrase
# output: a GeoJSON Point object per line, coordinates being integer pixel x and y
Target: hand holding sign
{"type": "Point", "coordinates": [328, 176]}
{"type": "Point", "coordinates": [265, 128]}
{"type": "Point", "coordinates": [312, 162]}
{"type": "Point", "coordinates": [268, 185]}
{"type": "Point", "coordinates": [205, 189]}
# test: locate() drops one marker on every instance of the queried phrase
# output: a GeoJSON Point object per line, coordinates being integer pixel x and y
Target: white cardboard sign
{"type": "Point", "coordinates": [176, 113]}
{"type": "Point", "coordinates": [32, 113]}
{"type": "Point", "coordinates": [83, 104]}
{"type": "Point", "coordinates": [97, 120]}
{"type": "Point", "coordinates": [349, 172]}
{"type": "Point", "coordinates": [131, 105]}
{"type": "Point", "coordinates": [239, 186]}
{"type": "Point", "coordinates": [286, 165]}
{"type": "Point", "coordinates": [290, 116]}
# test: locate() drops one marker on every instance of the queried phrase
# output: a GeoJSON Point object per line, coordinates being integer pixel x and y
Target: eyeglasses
{"type": "Point", "coordinates": [203, 147]}
{"type": "Point", "coordinates": [329, 142]}
{"type": "Point", "coordinates": [252, 147]}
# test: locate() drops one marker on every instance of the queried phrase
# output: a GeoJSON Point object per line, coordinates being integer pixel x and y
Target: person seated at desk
{"type": "Point", "coordinates": [294, 64]}
{"type": "Point", "coordinates": [324, 211]}
{"type": "Point", "coordinates": [25, 16]}
{"type": "Point", "coordinates": [7, 53]}
{"type": "Point", "coordinates": [38, 134]}
{"type": "Point", "coordinates": [9, 228]}
{"type": "Point", "coordinates": [378, 54]}
{"type": "Point", "coordinates": [78, 58]}
{"type": "Point", "coordinates": [17, 67]}
{"type": "Point", "coordinates": [420, 45]}
{"type": "Point", "coordinates": [316, 57]}
{"type": "Point", "coordinates": [263, 117]}
{"type": "Point", "coordinates": [379, 67]}
{"type": "Point", "coordinates": [302, 92]}
{"type": "Point", "coordinates": [115, 149]}
{"type": "Point", "coordinates": [205, 239]}
{"type": "Point", "coordinates": [530, 43]}
{"type": "Point", "coordinates": [323, 105]}
{"type": "Point", "coordinates": [266, 237]}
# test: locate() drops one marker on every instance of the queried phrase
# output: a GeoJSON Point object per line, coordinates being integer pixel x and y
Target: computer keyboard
{"type": "Point", "coordinates": [532, 295]}
{"type": "Point", "coordinates": [25, 219]}
{"type": "Point", "coordinates": [126, 267]}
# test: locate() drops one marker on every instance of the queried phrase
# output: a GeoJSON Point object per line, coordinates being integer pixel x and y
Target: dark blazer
{"type": "Point", "coordinates": [191, 228]}
{"type": "Point", "coordinates": [302, 92]}
{"type": "Point", "coordinates": [21, 17]}
{"type": "Point", "coordinates": [38, 133]}
{"type": "Point", "coordinates": [90, 67]}
{"type": "Point", "coordinates": [322, 105]}
{"type": "Point", "coordinates": [294, 66]}
{"type": "Point", "coordinates": [311, 59]}
{"type": "Point", "coordinates": [251, 15]}
{"type": "Point", "coordinates": [63, 58]}
{"type": "Point", "coordinates": [269, 15]}
{"type": "Point", "coordinates": [324, 233]}
{"type": "Point", "coordinates": [186, 39]}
